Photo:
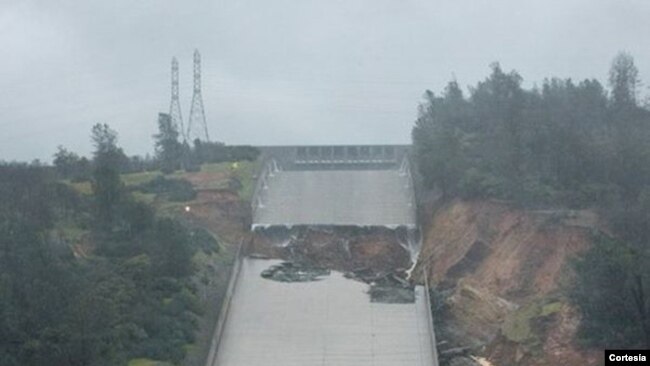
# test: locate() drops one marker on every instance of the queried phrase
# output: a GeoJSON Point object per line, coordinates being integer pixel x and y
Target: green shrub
{"type": "Point", "coordinates": [592, 194]}
{"type": "Point", "coordinates": [477, 184]}
{"type": "Point", "coordinates": [609, 277]}
{"type": "Point", "coordinates": [203, 240]}
{"type": "Point", "coordinates": [536, 193]}
{"type": "Point", "coordinates": [176, 190]}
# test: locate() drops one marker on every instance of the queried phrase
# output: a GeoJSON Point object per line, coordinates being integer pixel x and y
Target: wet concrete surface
{"type": "Point", "coordinates": [331, 321]}
{"type": "Point", "coordinates": [333, 197]}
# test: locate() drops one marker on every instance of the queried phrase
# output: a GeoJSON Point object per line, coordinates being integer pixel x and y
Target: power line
{"type": "Point", "coordinates": [175, 106]}
{"type": "Point", "coordinates": [197, 113]}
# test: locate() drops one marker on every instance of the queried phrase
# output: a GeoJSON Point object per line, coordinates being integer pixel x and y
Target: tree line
{"type": "Point", "coordinates": [563, 144]}
{"type": "Point", "coordinates": [171, 155]}
{"type": "Point", "coordinates": [132, 296]}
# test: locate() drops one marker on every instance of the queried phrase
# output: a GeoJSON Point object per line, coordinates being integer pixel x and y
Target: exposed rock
{"type": "Point", "coordinates": [294, 272]}
{"type": "Point", "coordinates": [391, 294]}
{"type": "Point", "coordinates": [503, 269]}
{"type": "Point", "coordinates": [476, 314]}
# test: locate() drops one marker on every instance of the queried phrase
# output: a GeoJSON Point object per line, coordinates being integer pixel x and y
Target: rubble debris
{"type": "Point", "coordinates": [367, 275]}
{"type": "Point", "coordinates": [294, 272]}
{"type": "Point", "coordinates": [455, 351]}
{"type": "Point", "coordinates": [385, 287]}
{"type": "Point", "coordinates": [338, 248]}
{"type": "Point", "coordinates": [391, 294]}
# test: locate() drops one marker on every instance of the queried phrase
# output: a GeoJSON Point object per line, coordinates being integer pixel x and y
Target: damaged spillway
{"type": "Point", "coordinates": [349, 190]}
{"type": "Point", "coordinates": [345, 248]}
{"type": "Point", "coordinates": [326, 279]}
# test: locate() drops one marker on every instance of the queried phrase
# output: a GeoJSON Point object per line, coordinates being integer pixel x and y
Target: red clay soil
{"type": "Point", "coordinates": [205, 180]}
{"type": "Point", "coordinates": [495, 259]}
{"type": "Point", "coordinates": [221, 212]}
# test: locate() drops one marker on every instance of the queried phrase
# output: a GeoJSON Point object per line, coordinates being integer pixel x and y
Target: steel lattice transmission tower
{"type": "Point", "coordinates": [196, 126]}
{"type": "Point", "coordinates": [175, 106]}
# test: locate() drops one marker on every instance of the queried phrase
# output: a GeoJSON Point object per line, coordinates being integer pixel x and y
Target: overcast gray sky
{"type": "Point", "coordinates": [282, 71]}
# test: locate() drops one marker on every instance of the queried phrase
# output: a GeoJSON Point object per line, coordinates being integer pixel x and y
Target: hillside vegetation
{"type": "Point", "coordinates": [562, 145]}
{"type": "Point", "coordinates": [112, 270]}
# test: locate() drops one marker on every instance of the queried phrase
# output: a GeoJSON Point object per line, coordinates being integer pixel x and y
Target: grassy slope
{"type": "Point", "coordinates": [242, 170]}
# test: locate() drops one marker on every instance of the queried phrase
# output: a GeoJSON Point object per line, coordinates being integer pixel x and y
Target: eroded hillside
{"type": "Point", "coordinates": [501, 276]}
